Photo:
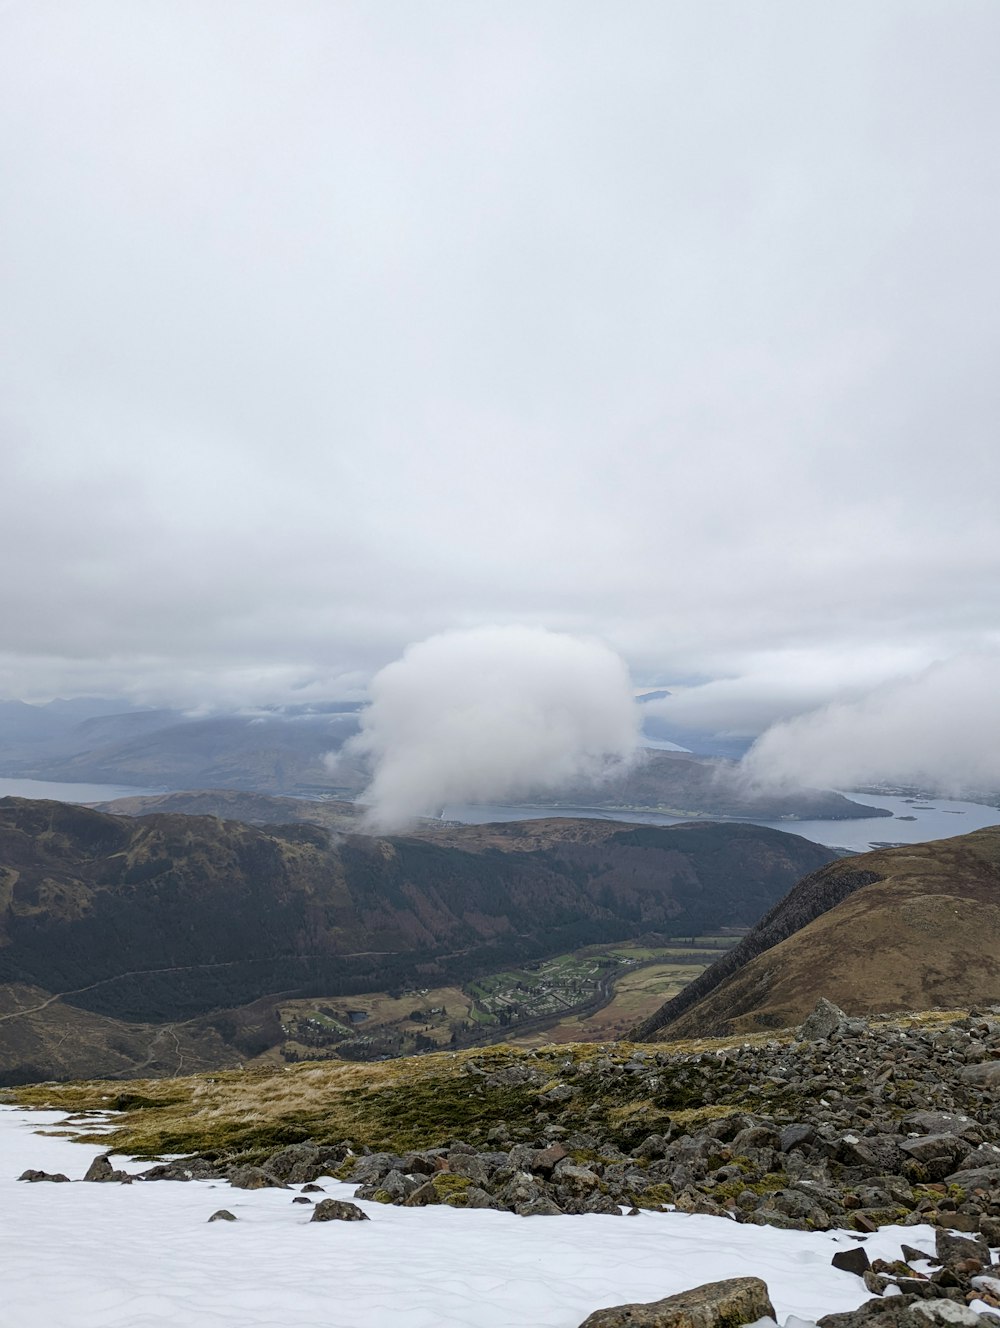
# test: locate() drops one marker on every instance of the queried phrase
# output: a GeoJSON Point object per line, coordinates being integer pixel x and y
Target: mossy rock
{"type": "Point", "coordinates": [656, 1197]}
{"type": "Point", "coordinates": [451, 1189]}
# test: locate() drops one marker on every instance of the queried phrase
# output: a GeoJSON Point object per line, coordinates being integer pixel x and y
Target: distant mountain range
{"type": "Point", "coordinates": [278, 751]}
{"type": "Point", "coordinates": [281, 752]}
{"type": "Point", "coordinates": [905, 928]}
{"type": "Point", "coordinates": [169, 924]}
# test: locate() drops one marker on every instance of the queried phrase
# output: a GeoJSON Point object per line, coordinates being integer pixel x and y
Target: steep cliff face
{"type": "Point", "coordinates": [906, 928]}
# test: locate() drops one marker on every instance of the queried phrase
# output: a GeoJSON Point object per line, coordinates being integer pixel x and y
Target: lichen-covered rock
{"type": "Point", "coordinates": [938, 1154]}
{"type": "Point", "coordinates": [827, 1018]}
{"type": "Point", "coordinates": [183, 1168]}
{"type": "Point", "coordinates": [960, 1251]}
{"type": "Point", "coordinates": [295, 1164]}
{"type": "Point", "coordinates": [908, 1311]}
{"type": "Point", "coordinates": [540, 1207]}
{"type": "Point", "coordinates": [544, 1159]}
{"type": "Point", "coordinates": [728, 1304]}
{"type": "Point", "coordinates": [337, 1210]}
{"type": "Point", "coordinates": [253, 1178]}
{"type": "Point", "coordinates": [984, 1075]}
{"type": "Point", "coordinates": [856, 1130]}
{"type": "Point", "coordinates": [371, 1170]}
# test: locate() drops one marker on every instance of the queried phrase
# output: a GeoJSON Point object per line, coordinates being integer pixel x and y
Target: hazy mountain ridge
{"type": "Point", "coordinates": [905, 928]}
{"type": "Point", "coordinates": [282, 751]}
{"type": "Point", "coordinates": [244, 805]}
{"type": "Point", "coordinates": [711, 786]}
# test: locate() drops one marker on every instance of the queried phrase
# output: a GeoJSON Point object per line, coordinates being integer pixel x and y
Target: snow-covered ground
{"type": "Point", "coordinates": [145, 1256]}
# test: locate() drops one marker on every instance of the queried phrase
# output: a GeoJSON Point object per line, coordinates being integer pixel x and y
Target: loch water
{"type": "Point", "coordinates": [934, 818]}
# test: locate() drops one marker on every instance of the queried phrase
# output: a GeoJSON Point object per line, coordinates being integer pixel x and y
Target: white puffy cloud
{"type": "Point", "coordinates": [488, 713]}
{"type": "Point", "coordinates": [936, 729]}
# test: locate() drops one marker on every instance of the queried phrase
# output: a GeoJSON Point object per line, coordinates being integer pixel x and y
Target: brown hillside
{"type": "Point", "coordinates": [906, 928]}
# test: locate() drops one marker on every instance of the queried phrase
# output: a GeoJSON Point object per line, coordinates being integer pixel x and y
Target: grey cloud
{"type": "Point", "coordinates": [935, 729]}
{"type": "Point", "coordinates": [776, 685]}
{"type": "Point", "coordinates": [329, 327]}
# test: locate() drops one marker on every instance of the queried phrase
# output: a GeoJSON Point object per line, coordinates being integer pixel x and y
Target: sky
{"type": "Point", "coordinates": [327, 328]}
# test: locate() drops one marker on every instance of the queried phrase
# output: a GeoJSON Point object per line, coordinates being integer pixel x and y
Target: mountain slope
{"type": "Point", "coordinates": [167, 917]}
{"type": "Point", "coordinates": [905, 928]}
{"type": "Point", "coordinates": [42, 1037]}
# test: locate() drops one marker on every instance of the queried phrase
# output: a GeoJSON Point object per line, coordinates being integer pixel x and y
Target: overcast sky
{"type": "Point", "coordinates": [330, 326]}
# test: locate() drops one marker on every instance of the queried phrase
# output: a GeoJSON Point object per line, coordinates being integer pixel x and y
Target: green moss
{"type": "Point", "coordinates": [914, 1171]}
{"type": "Point", "coordinates": [136, 1101]}
{"type": "Point", "coordinates": [252, 1140]}
{"type": "Point", "coordinates": [654, 1196]}
{"type": "Point", "coordinates": [882, 1217]}
{"type": "Point", "coordinates": [730, 1190]}
{"type": "Point", "coordinates": [451, 1189]}
{"type": "Point", "coordinates": [769, 1184]}
{"type": "Point", "coordinates": [430, 1112]}
{"type": "Point", "coordinates": [773, 1181]}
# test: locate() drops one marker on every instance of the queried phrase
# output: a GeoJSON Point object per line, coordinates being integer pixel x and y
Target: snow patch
{"type": "Point", "coordinates": [145, 1256]}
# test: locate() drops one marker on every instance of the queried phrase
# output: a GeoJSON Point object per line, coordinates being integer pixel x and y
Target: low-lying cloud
{"type": "Point", "coordinates": [490, 713]}
{"type": "Point", "coordinates": [937, 729]}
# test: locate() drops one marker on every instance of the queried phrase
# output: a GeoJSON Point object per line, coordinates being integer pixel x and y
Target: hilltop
{"type": "Point", "coordinates": [912, 927]}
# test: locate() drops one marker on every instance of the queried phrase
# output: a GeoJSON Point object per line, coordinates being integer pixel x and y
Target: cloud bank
{"type": "Point", "coordinates": [491, 712]}
{"type": "Point", "coordinates": [936, 729]}
{"type": "Point", "coordinates": [329, 327]}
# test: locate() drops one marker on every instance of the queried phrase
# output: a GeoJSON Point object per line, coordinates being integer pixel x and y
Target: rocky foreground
{"type": "Point", "coordinates": [849, 1124]}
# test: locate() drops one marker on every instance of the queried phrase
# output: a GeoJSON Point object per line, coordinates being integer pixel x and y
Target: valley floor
{"type": "Point", "coordinates": [145, 1256]}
